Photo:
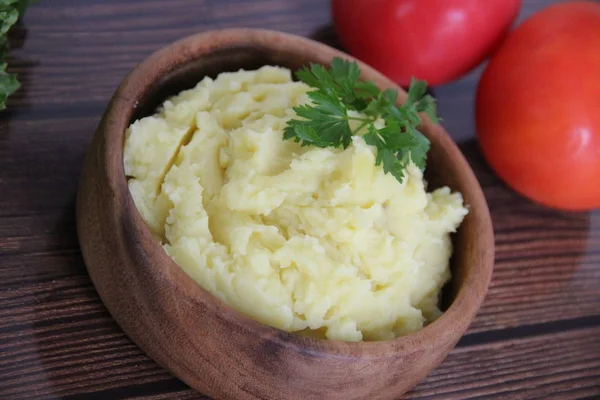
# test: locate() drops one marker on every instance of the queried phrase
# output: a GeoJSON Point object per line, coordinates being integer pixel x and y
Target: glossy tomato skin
{"type": "Point", "coordinates": [538, 107]}
{"type": "Point", "coordinates": [435, 40]}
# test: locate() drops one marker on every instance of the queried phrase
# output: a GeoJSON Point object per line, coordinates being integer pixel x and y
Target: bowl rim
{"type": "Point", "coordinates": [117, 118]}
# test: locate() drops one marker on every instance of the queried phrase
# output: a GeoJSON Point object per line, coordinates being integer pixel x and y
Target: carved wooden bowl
{"type": "Point", "coordinates": [202, 341]}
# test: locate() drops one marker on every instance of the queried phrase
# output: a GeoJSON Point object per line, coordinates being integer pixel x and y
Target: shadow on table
{"type": "Point", "coordinates": [326, 34]}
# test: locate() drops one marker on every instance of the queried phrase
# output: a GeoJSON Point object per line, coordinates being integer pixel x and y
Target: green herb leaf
{"type": "Point", "coordinates": [418, 153]}
{"type": "Point", "coordinates": [392, 164]}
{"type": "Point", "coordinates": [8, 18]}
{"type": "Point", "coordinates": [428, 106]}
{"type": "Point", "coordinates": [8, 85]}
{"type": "Point", "coordinates": [366, 90]}
{"type": "Point", "coordinates": [326, 121]}
{"type": "Point", "coordinates": [345, 74]}
{"type": "Point", "coordinates": [304, 134]}
{"type": "Point", "coordinates": [10, 11]}
{"type": "Point", "coordinates": [416, 91]}
{"type": "Point", "coordinates": [328, 117]}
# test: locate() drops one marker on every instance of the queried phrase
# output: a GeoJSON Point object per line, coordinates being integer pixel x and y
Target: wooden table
{"type": "Point", "coordinates": [537, 336]}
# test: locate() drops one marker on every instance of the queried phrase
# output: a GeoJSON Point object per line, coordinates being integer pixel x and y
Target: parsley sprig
{"type": "Point", "coordinates": [10, 10]}
{"type": "Point", "coordinates": [326, 122]}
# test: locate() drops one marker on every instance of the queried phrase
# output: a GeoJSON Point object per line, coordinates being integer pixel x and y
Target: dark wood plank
{"type": "Point", "coordinates": [77, 52]}
{"type": "Point", "coordinates": [559, 366]}
{"type": "Point", "coordinates": [58, 341]}
{"type": "Point", "coordinates": [546, 261]}
{"type": "Point", "coordinates": [564, 365]}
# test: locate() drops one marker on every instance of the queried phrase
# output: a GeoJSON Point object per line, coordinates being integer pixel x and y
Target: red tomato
{"type": "Point", "coordinates": [538, 107]}
{"type": "Point", "coordinates": [434, 40]}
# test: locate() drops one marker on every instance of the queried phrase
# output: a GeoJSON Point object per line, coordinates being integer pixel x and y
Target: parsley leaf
{"type": "Point", "coordinates": [305, 134]}
{"type": "Point", "coordinates": [328, 118]}
{"type": "Point", "coordinates": [325, 122]}
{"type": "Point", "coordinates": [10, 10]}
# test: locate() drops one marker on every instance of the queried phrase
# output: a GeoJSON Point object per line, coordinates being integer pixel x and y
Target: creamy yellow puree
{"type": "Point", "coordinates": [317, 240]}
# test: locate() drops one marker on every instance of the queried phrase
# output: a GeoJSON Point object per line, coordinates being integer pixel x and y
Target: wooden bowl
{"type": "Point", "coordinates": [202, 341]}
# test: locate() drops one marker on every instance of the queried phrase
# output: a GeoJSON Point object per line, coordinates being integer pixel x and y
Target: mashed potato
{"type": "Point", "coordinates": [313, 240]}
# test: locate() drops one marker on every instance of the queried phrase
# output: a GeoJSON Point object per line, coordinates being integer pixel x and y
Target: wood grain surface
{"type": "Point", "coordinates": [537, 335]}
